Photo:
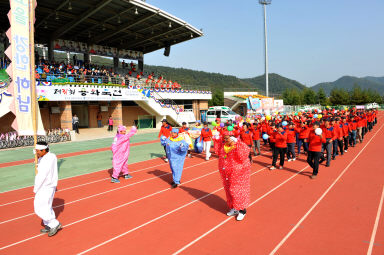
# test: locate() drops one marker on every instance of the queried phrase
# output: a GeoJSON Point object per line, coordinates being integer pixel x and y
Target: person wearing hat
{"type": "Point", "coordinates": [120, 150]}
{"type": "Point", "coordinates": [45, 187]}
{"type": "Point", "coordinates": [315, 142]}
{"type": "Point", "coordinates": [176, 149]}
{"type": "Point", "coordinates": [165, 131]}
{"type": "Point", "coordinates": [235, 172]}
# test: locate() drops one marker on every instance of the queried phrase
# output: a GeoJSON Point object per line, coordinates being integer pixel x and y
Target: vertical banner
{"type": "Point", "coordinates": [21, 69]}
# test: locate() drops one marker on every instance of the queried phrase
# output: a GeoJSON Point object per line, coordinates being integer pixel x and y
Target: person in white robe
{"type": "Point", "coordinates": [45, 187]}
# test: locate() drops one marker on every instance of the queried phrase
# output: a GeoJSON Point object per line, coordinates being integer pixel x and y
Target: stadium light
{"type": "Point", "coordinates": [45, 25]}
{"type": "Point", "coordinates": [119, 19]}
{"type": "Point", "coordinates": [57, 16]}
{"type": "Point", "coordinates": [70, 5]}
{"type": "Point", "coordinates": [136, 12]}
{"type": "Point", "coordinates": [191, 35]}
{"type": "Point", "coordinates": [265, 3]}
{"type": "Point", "coordinates": [170, 25]}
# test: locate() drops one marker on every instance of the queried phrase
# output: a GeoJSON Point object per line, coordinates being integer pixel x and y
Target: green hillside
{"type": "Point", "coordinates": [277, 84]}
{"type": "Point", "coordinates": [348, 82]}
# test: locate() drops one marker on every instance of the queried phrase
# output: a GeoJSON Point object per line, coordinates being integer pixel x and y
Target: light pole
{"type": "Point", "coordinates": [265, 3]}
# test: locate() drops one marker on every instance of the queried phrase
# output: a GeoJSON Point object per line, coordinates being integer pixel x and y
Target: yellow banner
{"type": "Point", "coordinates": [21, 55]}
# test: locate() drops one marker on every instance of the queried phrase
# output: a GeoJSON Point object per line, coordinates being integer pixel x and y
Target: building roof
{"type": "Point", "coordinates": [123, 24]}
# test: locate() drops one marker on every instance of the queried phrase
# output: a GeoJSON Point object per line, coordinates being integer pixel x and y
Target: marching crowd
{"type": "Point", "coordinates": [322, 136]}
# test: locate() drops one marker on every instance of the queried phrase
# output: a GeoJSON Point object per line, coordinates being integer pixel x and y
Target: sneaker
{"type": "Point", "coordinates": [45, 230]}
{"type": "Point", "coordinates": [54, 230]}
{"type": "Point", "coordinates": [327, 165]}
{"type": "Point", "coordinates": [313, 176]}
{"type": "Point", "coordinates": [128, 176]}
{"type": "Point", "coordinates": [232, 212]}
{"type": "Point", "coordinates": [114, 180]}
{"type": "Point", "coordinates": [206, 159]}
{"type": "Point", "coordinates": [240, 216]}
{"type": "Point", "coordinates": [289, 160]}
{"type": "Point", "coordinates": [281, 167]}
{"type": "Point", "coordinates": [272, 168]}
{"type": "Point", "coordinates": [293, 159]}
{"type": "Point", "coordinates": [345, 151]}
{"type": "Point", "coordinates": [174, 185]}
{"type": "Point", "coordinates": [166, 160]}
{"type": "Point", "coordinates": [189, 155]}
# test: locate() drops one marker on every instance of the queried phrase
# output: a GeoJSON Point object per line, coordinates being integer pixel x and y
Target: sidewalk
{"type": "Point", "coordinates": [98, 133]}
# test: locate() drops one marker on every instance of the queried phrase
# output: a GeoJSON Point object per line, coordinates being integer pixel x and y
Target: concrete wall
{"type": "Point", "coordinates": [66, 114]}
{"type": "Point", "coordinates": [116, 110]}
{"type": "Point", "coordinates": [131, 113]}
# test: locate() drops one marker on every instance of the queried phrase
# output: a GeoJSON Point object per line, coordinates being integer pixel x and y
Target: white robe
{"type": "Point", "coordinates": [45, 187]}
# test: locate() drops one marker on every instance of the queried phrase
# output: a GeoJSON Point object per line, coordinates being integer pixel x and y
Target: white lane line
{"type": "Point", "coordinates": [66, 178]}
{"type": "Point", "coordinates": [322, 196]}
{"type": "Point", "coordinates": [228, 219]}
{"type": "Point", "coordinates": [102, 193]}
{"type": "Point", "coordinates": [84, 184]}
{"type": "Point", "coordinates": [112, 209]}
{"type": "Point", "coordinates": [158, 218]}
{"type": "Point", "coordinates": [370, 248]}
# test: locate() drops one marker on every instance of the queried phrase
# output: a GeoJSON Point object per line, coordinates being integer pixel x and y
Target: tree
{"type": "Point", "coordinates": [217, 98]}
{"type": "Point", "coordinates": [321, 97]}
{"type": "Point", "coordinates": [309, 96]}
{"type": "Point", "coordinates": [356, 95]}
{"type": "Point", "coordinates": [339, 97]}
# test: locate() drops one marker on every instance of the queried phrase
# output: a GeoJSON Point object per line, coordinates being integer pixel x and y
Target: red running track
{"type": "Point", "coordinates": [333, 214]}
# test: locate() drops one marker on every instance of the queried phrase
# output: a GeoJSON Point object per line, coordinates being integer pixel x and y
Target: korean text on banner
{"type": "Point", "coordinates": [19, 18]}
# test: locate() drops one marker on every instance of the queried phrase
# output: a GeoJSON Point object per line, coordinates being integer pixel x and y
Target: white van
{"type": "Point", "coordinates": [222, 112]}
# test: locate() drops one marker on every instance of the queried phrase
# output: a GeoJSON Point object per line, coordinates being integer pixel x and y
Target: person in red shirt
{"type": "Point", "coordinates": [315, 143]}
{"type": "Point", "coordinates": [360, 124]}
{"type": "Point", "coordinates": [256, 131]}
{"type": "Point", "coordinates": [246, 137]}
{"type": "Point", "coordinates": [330, 136]}
{"type": "Point", "coordinates": [280, 147]}
{"type": "Point", "coordinates": [206, 135]}
{"type": "Point", "coordinates": [291, 140]}
{"type": "Point", "coordinates": [272, 134]}
{"type": "Point", "coordinates": [165, 130]}
{"type": "Point", "coordinates": [303, 134]}
{"type": "Point", "coordinates": [185, 129]}
{"type": "Point", "coordinates": [346, 129]}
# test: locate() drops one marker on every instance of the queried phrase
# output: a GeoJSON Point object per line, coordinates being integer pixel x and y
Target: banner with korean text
{"type": "Point", "coordinates": [20, 52]}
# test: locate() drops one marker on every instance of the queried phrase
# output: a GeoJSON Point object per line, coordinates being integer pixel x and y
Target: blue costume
{"type": "Point", "coordinates": [176, 149]}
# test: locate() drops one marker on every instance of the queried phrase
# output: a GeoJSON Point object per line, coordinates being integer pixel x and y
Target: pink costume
{"type": "Point", "coordinates": [235, 171]}
{"type": "Point", "coordinates": [120, 150]}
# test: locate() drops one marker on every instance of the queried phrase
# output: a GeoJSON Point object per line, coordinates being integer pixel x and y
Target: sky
{"type": "Point", "coordinates": [310, 41]}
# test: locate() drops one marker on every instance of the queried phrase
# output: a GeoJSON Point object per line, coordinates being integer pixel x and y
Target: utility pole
{"type": "Point", "coordinates": [265, 3]}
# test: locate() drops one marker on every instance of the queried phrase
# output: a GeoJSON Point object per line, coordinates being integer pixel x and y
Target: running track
{"type": "Point", "coordinates": [340, 212]}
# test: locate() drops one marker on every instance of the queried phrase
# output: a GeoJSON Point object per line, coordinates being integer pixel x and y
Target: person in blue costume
{"type": "Point", "coordinates": [177, 149]}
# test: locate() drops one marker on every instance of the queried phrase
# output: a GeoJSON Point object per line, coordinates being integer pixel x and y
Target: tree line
{"type": "Point", "coordinates": [338, 96]}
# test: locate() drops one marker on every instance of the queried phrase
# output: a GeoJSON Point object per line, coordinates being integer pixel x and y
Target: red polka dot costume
{"type": "Point", "coordinates": [235, 170]}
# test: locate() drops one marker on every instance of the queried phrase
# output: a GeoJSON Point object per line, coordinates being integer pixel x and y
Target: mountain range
{"type": "Point", "coordinates": [277, 83]}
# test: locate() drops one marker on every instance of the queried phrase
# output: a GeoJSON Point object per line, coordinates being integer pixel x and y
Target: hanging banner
{"type": "Point", "coordinates": [20, 52]}
{"type": "Point", "coordinates": [267, 103]}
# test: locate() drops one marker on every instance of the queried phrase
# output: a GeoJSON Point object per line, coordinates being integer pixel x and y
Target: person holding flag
{"type": "Point", "coordinates": [45, 188]}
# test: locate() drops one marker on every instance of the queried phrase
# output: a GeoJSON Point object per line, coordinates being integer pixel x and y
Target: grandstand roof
{"type": "Point", "coordinates": [124, 24]}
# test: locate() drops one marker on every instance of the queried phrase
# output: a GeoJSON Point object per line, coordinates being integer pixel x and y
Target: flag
{"type": "Point", "coordinates": [20, 52]}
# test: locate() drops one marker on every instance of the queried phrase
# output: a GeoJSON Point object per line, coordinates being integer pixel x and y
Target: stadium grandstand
{"type": "Point", "coordinates": [89, 58]}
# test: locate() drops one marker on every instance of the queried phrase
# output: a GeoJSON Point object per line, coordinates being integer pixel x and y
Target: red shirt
{"type": "Point", "coordinates": [304, 132]}
{"type": "Point", "coordinates": [206, 133]}
{"type": "Point", "coordinates": [281, 140]}
{"type": "Point", "coordinates": [272, 135]}
{"type": "Point", "coordinates": [346, 128]}
{"type": "Point", "coordinates": [182, 130]}
{"type": "Point", "coordinates": [165, 131]}
{"type": "Point", "coordinates": [256, 130]}
{"type": "Point", "coordinates": [246, 136]}
{"type": "Point", "coordinates": [329, 133]}
{"type": "Point", "coordinates": [291, 136]}
{"type": "Point", "coordinates": [315, 142]}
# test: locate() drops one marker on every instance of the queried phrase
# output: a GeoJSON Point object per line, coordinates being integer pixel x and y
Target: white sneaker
{"type": "Point", "coordinates": [232, 212]}
{"type": "Point", "coordinates": [345, 151]}
{"type": "Point", "coordinates": [189, 155]}
{"type": "Point", "coordinates": [166, 160]}
{"type": "Point", "coordinates": [289, 160]}
{"type": "Point", "coordinates": [272, 168]}
{"type": "Point", "coordinates": [280, 167]}
{"type": "Point", "coordinates": [293, 159]}
{"type": "Point", "coordinates": [240, 216]}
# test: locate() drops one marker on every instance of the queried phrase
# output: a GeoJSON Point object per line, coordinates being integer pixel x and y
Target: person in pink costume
{"type": "Point", "coordinates": [120, 149]}
{"type": "Point", "coordinates": [235, 171]}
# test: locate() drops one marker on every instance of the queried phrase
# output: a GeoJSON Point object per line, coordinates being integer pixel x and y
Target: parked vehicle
{"type": "Point", "coordinates": [222, 112]}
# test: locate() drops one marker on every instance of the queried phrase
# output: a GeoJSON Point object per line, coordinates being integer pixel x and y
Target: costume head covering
{"type": "Point", "coordinates": [234, 139]}
{"type": "Point", "coordinates": [175, 130]}
{"type": "Point", "coordinates": [121, 128]}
